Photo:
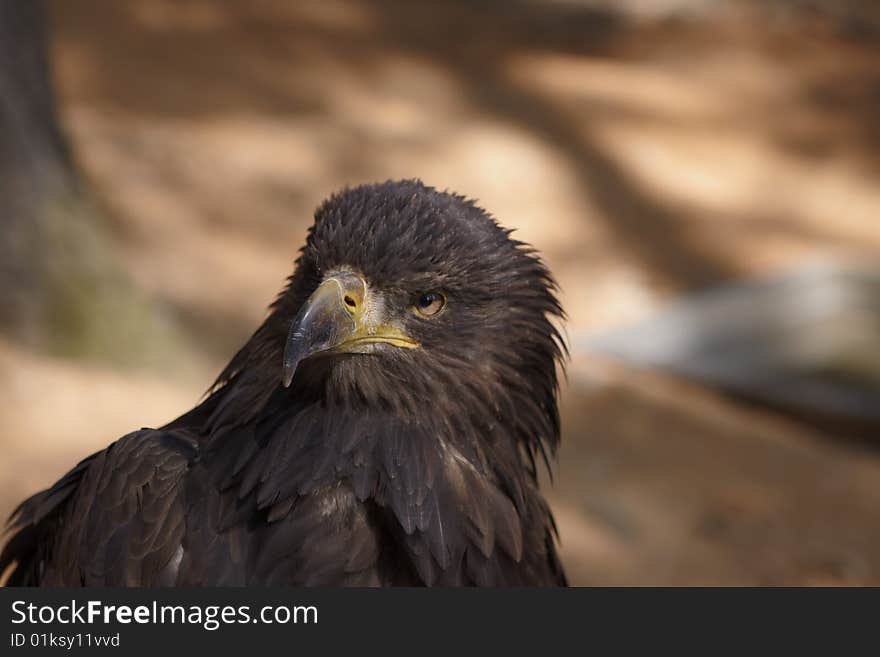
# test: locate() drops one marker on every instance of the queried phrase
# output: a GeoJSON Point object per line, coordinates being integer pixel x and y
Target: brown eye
{"type": "Point", "coordinates": [429, 304]}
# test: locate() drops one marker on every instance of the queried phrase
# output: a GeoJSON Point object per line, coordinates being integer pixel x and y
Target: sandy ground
{"type": "Point", "coordinates": [643, 159]}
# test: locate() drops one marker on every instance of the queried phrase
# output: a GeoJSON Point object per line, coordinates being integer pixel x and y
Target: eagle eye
{"type": "Point", "coordinates": [429, 304]}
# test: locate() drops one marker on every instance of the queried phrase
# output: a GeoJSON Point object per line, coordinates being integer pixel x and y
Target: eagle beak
{"type": "Point", "coordinates": [339, 317]}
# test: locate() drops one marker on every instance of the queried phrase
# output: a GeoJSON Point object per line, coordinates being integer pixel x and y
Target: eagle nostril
{"type": "Point", "coordinates": [350, 302]}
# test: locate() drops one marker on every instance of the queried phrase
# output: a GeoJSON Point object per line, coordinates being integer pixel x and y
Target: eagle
{"type": "Point", "coordinates": [384, 426]}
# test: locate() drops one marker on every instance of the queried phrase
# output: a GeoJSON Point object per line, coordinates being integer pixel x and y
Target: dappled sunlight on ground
{"type": "Point", "coordinates": [643, 159]}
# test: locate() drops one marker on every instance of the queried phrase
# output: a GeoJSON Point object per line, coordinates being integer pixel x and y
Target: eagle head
{"type": "Point", "coordinates": [415, 301]}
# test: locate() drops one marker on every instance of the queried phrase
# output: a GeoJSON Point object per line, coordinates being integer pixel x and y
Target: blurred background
{"type": "Point", "coordinates": [701, 177]}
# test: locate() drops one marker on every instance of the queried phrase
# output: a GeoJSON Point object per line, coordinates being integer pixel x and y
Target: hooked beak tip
{"type": "Point", "coordinates": [290, 363]}
{"type": "Point", "coordinates": [289, 368]}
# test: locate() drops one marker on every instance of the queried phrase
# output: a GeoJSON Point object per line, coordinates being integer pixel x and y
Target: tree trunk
{"type": "Point", "coordinates": [61, 289]}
